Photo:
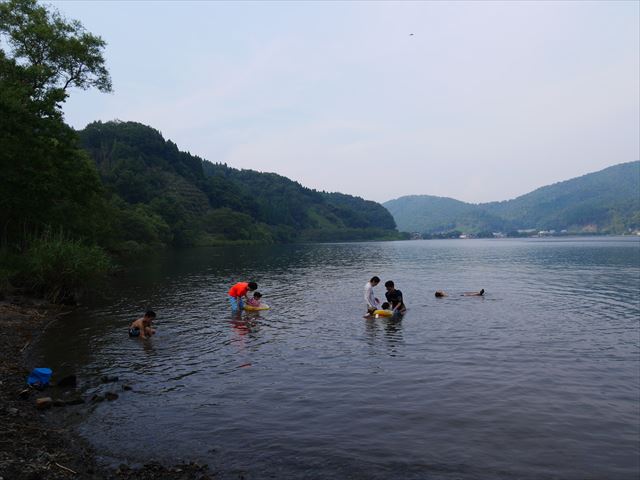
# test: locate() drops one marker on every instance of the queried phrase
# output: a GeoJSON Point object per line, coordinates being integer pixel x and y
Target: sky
{"type": "Point", "coordinates": [478, 101]}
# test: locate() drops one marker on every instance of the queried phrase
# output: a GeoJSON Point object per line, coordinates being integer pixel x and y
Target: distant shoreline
{"type": "Point", "coordinates": [567, 235]}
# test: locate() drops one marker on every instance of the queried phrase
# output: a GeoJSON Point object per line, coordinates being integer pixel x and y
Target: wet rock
{"type": "Point", "coordinates": [24, 394]}
{"type": "Point", "coordinates": [59, 403]}
{"type": "Point", "coordinates": [43, 402]}
{"type": "Point", "coordinates": [108, 379]}
{"type": "Point", "coordinates": [97, 398]}
{"type": "Point", "coordinates": [68, 381]}
{"type": "Point", "coordinates": [74, 401]}
{"type": "Point", "coordinates": [127, 387]}
{"type": "Point", "coordinates": [111, 396]}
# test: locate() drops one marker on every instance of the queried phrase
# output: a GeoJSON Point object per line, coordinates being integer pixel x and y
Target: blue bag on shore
{"type": "Point", "coordinates": [39, 376]}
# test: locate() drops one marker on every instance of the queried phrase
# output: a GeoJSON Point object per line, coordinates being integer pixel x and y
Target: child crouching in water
{"type": "Point", "coordinates": [255, 300]}
{"type": "Point", "coordinates": [142, 326]}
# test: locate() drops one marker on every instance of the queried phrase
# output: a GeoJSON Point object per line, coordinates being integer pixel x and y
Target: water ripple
{"type": "Point", "coordinates": [538, 379]}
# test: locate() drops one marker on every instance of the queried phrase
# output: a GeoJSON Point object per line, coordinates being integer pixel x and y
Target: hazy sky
{"type": "Point", "coordinates": [485, 101]}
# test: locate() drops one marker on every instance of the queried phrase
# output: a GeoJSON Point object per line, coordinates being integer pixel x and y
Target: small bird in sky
{"type": "Point", "coordinates": [411, 34]}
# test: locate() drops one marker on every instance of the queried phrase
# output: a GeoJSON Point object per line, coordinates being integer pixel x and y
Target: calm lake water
{"type": "Point", "coordinates": [539, 379]}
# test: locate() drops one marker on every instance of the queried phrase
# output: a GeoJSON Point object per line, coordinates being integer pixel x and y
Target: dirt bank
{"type": "Point", "coordinates": [36, 444]}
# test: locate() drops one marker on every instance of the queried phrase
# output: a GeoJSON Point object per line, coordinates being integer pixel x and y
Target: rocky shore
{"type": "Point", "coordinates": [35, 443]}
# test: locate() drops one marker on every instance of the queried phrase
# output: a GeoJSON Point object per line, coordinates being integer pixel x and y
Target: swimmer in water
{"type": "Point", "coordinates": [474, 294]}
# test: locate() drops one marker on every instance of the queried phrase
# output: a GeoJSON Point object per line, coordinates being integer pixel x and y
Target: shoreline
{"type": "Point", "coordinates": [37, 444]}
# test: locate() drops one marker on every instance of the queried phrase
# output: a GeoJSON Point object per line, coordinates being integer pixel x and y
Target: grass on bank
{"type": "Point", "coordinates": [52, 265]}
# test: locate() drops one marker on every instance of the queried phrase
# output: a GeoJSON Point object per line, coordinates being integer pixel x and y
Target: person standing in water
{"type": "Point", "coordinates": [394, 297]}
{"type": "Point", "coordinates": [370, 297]}
{"type": "Point", "coordinates": [238, 293]}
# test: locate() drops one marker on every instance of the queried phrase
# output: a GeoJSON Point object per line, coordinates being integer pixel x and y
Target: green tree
{"type": "Point", "coordinates": [47, 183]}
{"type": "Point", "coordinates": [54, 53]}
{"type": "Point", "coordinates": [46, 179]}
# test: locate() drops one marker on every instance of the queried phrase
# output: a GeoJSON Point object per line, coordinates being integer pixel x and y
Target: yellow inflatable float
{"type": "Point", "coordinates": [383, 313]}
{"type": "Point", "coordinates": [249, 308]}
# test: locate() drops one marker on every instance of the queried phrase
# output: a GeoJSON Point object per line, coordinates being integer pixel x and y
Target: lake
{"type": "Point", "coordinates": [540, 378]}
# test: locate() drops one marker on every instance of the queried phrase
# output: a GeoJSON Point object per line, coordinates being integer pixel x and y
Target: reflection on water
{"type": "Point", "coordinates": [538, 379]}
{"type": "Point", "coordinates": [389, 329]}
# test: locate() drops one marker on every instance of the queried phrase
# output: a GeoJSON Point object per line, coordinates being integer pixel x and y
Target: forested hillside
{"type": "Point", "coordinates": [607, 201]}
{"type": "Point", "coordinates": [429, 214]}
{"type": "Point", "coordinates": [181, 199]}
{"type": "Point", "coordinates": [71, 202]}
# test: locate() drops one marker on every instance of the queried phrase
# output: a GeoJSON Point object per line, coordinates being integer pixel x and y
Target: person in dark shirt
{"type": "Point", "coordinates": [394, 297]}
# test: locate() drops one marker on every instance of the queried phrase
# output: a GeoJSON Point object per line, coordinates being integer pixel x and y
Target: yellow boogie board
{"type": "Point", "coordinates": [249, 308]}
{"type": "Point", "coordinates": [383, 313]}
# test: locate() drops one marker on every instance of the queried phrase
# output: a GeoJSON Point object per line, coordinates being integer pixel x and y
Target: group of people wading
{"type": "Point", "coordinates": [394, 301]}
{"type": "Point", "coordinates": [395, 304]}
{"type": "Point", "coordinates": [239, 294]}
{"type": "Point", "coordinates": [239, 297]}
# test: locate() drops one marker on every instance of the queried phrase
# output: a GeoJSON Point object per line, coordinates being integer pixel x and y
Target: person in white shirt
{"type": "Point", "coordinates": [372, 302]}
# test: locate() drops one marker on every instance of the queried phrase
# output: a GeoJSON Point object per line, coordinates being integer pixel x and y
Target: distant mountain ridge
{"type": "Point", "coordinates": [607, 201]}
{"type": "Point", "coordinates": [162, 195]}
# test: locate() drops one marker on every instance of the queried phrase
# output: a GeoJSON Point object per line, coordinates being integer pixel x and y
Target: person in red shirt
{"type": "Point", "coordinates": [238, 292]}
